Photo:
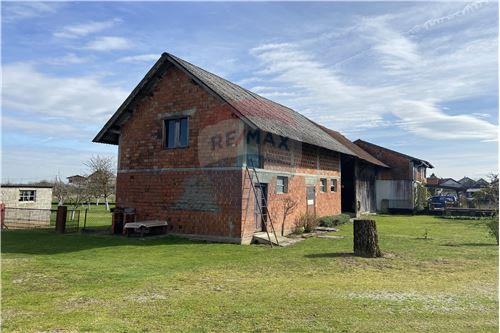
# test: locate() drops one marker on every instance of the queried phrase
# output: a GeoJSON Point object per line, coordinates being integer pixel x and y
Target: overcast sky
{"type": "Point", "coordinates": [420, 78]}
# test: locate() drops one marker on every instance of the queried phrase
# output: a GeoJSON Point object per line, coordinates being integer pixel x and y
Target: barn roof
{"type": "Point", "coordinates": [424, 162]}
{"type": "Point", "coordinates": [360, 152]}
{"type": "Point", "coordinates": [255, 110]}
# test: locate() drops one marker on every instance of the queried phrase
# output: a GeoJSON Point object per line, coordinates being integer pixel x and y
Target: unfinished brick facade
{"type": "Point", "coordinates": [203, 190]}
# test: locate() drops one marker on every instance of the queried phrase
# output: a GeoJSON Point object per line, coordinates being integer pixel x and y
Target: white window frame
{"type": "Point", "coordinates": [27, 195]}
{"type": "Point", "coordinates": [281, 189]}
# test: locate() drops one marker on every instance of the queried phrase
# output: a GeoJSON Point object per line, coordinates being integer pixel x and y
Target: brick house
{"type": "Point", "coordinates": [398, 187]}
{"type": "Point", "coordinates": [186, 137]}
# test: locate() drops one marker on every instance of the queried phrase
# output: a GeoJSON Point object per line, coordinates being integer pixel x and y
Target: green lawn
{"type": "Point", "coordinates": [97, 216]}
{"type": "Point", "coordinates": [75, 283]}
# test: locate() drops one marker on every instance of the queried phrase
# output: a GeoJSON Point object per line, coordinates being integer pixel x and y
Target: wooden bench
{"type": "Point", "coordinates": [145, 227]}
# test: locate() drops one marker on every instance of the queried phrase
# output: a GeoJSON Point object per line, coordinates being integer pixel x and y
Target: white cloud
{"type": "Point", "coordinates": [468, 9]}
{"type": "Point", "coordinates": [15, 10]}
{"type": "Point", "coordinates": [109, 43]}
{"type": "Point", "coordinates": [84, 29]}
{"type": "Point", "coordinates": [395, 50]}
{"type": "Point", "coordinates": [49, 162]}
{"type": "Point", "coordinates": [86, 99]}
{"type": "Point", "coordinates": [140, 58]}
{"type": "Point", "coordinates": [412, 96]}
{"type": "Point", "coordinates": [68, 59]}
{"type": "Point", "coordinates": [44, 128]}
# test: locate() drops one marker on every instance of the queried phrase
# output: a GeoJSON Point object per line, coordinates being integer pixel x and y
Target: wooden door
{"type": "Point", "coordinates": [311, 200]}
{"type": "Point", "coordinates": [260, 208]}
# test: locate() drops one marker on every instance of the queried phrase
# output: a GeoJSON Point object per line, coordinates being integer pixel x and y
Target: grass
{"type": "Point", "coordinates": [97, 216]}
{"type": "Point", "coordinates": [78, 283]}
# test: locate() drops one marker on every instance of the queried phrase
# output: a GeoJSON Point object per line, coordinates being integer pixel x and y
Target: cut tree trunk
{"type": "Point", "coordinates": [366, 239]}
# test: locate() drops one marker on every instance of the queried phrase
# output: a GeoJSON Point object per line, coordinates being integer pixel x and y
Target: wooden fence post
{"type": "Point", "coordinates": [62, 212]}
{"type": "Point", "coordinates": [366, 239]}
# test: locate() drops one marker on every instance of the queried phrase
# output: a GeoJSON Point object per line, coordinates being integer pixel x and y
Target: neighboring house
{"type": "Point", "coordinates": [26, 196]}
{"type": "Point", "coordinates": [76, 180]}
{"type": "Point", "coordinates": [481, 183]}
{"type": "Point", "coordinates": [432, 180]}
{"type": "Point", "coordinates": [472, 188]}
{"type": "Point", "coordinates": [467, 182]}
{"type": "Point", "coordinates": [186, 137]}
{"type": "Point", "coordinates": [449, 186]}
{"type": "Point", "coordinates": [398, 187]}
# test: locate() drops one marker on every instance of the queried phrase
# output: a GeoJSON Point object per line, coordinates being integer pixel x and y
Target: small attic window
{"type": "Point", "coordinates": [176, 133]}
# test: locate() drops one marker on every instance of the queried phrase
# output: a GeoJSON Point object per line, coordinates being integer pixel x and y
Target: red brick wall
{"type": "Point", "coordinates": [400, 167]}
{"type": "Point", "coordinates": [301, 161]}
{"type": "Point", "coordinates": [193, 200]}
{"type": "Point", "coordinates": [141, 140]}
{"type": "Point", "coordinates": [197, 189]}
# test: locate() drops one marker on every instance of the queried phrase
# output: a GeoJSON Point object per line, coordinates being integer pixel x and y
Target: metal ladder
{"type": "Point", "coordinates": [260, 204]}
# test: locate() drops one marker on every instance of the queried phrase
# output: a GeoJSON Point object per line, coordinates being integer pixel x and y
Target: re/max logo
{"type": "Point", "coordinates": [232, 138]}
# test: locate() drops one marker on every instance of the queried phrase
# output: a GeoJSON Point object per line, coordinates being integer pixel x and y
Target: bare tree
{"type": "Point", "coordinates": [489, 194]}
{"type": "Point", "coordinates": [77, 195]}
{"type": "Point", "coordinates": [101, 178]}
{"type": "Point", "coordinates": [60, 190]}
{"type": "Point", "coordinates": [288, 206]}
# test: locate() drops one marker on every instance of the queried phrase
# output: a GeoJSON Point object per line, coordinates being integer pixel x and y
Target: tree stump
{"type": "Point", "coordinates": [366, 239]}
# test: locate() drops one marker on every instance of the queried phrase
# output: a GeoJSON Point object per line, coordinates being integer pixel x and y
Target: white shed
{"type": "Point", "coordinates": [26, 196]}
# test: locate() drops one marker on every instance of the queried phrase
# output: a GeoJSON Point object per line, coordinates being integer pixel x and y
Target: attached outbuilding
{"type": "Point", "coordinates": [401, 186]}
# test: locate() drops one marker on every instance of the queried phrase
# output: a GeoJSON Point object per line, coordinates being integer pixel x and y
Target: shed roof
{"type": "Point", "coordinates": [25, 186]}
{"type": "Point", "coordinates": [255, 110]}
{"type": "Point", "coordinates": [427, 164]}
{"type": "Point", "coordinates": [360, 152]}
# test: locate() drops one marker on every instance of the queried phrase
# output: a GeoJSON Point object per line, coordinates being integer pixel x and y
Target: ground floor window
{"type": "Point", "coordinates": [333, 185]}
{"type": "Point", "coordinates": [27, 195]}
{"type": "Point", "coordinates": [323, 185]}
{"type": "Point", "coordinates": [281, 184]}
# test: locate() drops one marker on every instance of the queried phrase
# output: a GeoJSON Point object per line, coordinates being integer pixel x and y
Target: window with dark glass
{"type": "Point", "coordinates": [333, 185]}
{"type": "Point", "coordinates": [281, 184]}
{"type": "Point", "coordinates": [323, 185]}
{"type": "Point", "coordinates": [27, 195]}
{"type": "Point", "coordinates": [176, 133]}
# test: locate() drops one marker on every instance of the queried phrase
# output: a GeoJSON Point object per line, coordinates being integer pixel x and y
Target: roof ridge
{"type": "Point", "coordinates": [394, 151]}
{"type": "Point", "coordinates": [255, 96]}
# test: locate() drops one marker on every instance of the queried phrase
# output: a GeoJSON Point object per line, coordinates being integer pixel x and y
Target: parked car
{"type": "Point", "coordinates": [440, 202]}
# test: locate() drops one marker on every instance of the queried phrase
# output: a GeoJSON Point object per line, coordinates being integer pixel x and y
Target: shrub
{"type": "Point", "coordinates": [493, 227]}
{"type": "Point", "coordinates": [333, 221]}
{"type": "Point", "coordinates": [306, 223]}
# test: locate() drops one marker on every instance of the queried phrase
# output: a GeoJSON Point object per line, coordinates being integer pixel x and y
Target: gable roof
{"type": "Point", "coordinates": [424, 162]}
{"type": "Point", "coordinates": [256, 111]}
{"type": "Point", "coordinates": [450, 182]}
{"type": "Point", "coordinates": [360, 152]}
{"type": "Point", "coordinates": [481, 183]}
{"type": "Point", "coordinates": [467, 182]}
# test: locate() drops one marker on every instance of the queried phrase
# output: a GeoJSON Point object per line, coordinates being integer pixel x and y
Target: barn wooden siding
{"type": "Point", "coordinates": [365, 188]}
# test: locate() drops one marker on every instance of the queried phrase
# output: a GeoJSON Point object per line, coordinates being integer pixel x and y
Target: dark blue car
{"type": "Point", "coordinates": [440, 202]}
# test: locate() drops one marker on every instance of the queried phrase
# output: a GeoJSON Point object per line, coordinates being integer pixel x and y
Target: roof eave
{"type": "Point", "coordinates": [99, 137]}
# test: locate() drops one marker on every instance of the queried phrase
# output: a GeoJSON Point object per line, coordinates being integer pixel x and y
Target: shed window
{"type": "Point", "coordinates": [333, 185]}
{"type": "Point", "coordinates": [323, 185]}
{"type": "Point", "coordinates": [281, 184]}
{"type": "Point", "coordinates": [27, 195]}
{"type": "Point", "coordinates": [176, 133]}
